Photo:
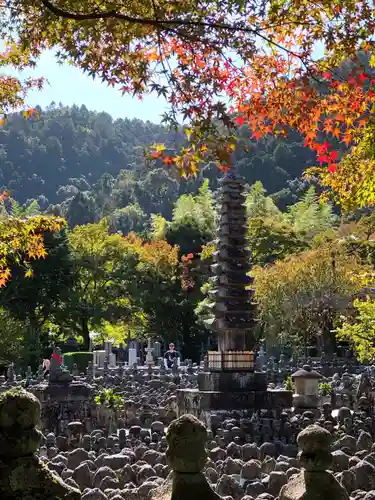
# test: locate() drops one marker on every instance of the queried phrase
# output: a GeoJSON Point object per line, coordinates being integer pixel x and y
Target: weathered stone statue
{"type": "Point", "coordinates": [314, 482]}
{"type": "Point", "coordinates": [10, 373]}
{"type": "Point", "coordinates": [75, 370]}
{"type": "Point", "coordinates": [186, 456]}
{"type": "Point", "coordinates": [40, 375]}
{"type": "Point", "coordinates": [22, 475]}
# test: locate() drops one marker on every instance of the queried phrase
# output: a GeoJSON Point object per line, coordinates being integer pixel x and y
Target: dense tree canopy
{"type": "Point", "coordinates": [99, 293]}
{"type": "Point", "coordinates": [34, 298]}
{"type": "Point", "coordinates": [302, 296]}
{"type": "Point", "coordinates": [86, 165]}
{"type": "Point", "coordinates": [360, 331]}
{"type": "Point", "coordinates": [97, 277]}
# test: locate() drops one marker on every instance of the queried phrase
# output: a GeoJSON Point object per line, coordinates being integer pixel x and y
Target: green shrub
{"type": "Point", "coordinates": [110, 399]}
{"type": "Point", "coordinates": [80, 358]}
{"type": "Point", "coordinates": [325, 389]}
{"type": "Point", "coordinates": [288, 384]}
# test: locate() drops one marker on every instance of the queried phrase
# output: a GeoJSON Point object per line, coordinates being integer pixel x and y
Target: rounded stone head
{"type": "Point", "coordinates": [186, 438]}
{"type": "Point", "coordinates": [19, 416]}
{"type": "Point", "coordinates": [314, 444]}
{"type": "Point", "coordinates": [19, 408]}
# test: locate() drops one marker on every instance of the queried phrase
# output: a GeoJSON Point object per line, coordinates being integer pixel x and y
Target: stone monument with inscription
{"type": "Point", "coordinates": [149, 353]}
{"type": "Point", "coordinates": [230, 380]}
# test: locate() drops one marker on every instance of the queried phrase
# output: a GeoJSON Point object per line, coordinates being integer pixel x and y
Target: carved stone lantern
{"type": "Point", "coordinates": [306, 383]}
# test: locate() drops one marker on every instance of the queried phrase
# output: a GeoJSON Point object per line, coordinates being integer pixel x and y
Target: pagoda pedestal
{"type": "Point", "coordinates": [232, 390]}
{"type": "Point", "coordinates": [231, 383]}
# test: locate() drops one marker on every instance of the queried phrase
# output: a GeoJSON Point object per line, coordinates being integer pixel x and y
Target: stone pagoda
{"type": "Point", "coordinates": [62, 397]}
{"type": "Point", "coordinates": [233, 311]}
{"type": "Point", "coordinates": [230, 381]}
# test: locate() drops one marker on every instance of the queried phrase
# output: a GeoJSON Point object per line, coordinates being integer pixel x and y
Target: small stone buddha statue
{"type": "Point", "coordinates": [186, 455]}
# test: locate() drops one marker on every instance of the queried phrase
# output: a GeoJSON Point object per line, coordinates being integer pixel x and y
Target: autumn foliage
{"type": "Point", "coordinates": [157, 253]}
{"type": "Point", "coordinates": [221, 67]}
{"type": "Point", "coordinates": [22, 241]}
{"type": "Point", "coordinates": [300, 295]}
{"type": "Point", "coordinates": [13, 90]}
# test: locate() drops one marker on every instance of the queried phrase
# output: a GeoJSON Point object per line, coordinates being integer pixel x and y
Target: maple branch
{"type": "Point", "coordinates": [160, 23]}
{"type": "Point", "coordinates": [168, 77]}
{"type": "Point", "coordinates": [138, 20]}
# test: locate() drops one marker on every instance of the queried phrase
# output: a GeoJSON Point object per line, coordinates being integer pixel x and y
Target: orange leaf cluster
{"type": "Point", "coordinates": [157, 253]}
{"type": "Point", "coordinates": [22, 240]}
{"type": "Point", "coordinates": [272, 96]}
{"type": "Point", "coordinates": [4, 195]}
{"type": "Point", "coordinates": [187, 282]}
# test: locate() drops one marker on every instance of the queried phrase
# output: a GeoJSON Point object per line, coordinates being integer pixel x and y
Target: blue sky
{"type": "Point", "coordinates": [69, 85]}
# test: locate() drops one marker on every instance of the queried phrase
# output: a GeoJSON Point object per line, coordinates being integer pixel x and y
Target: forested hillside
{"type": "Point", "coordinates": [83, 164]}
{"type": "Point", "coordinates": [137, 254]}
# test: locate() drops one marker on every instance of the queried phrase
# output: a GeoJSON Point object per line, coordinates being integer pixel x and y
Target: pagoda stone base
{"type": "Point", "coordinates": [232, 391]}
{"type": "Point", "coordinates": [195, 401]}
{"type": "Point", "coordinates": [239, 381]}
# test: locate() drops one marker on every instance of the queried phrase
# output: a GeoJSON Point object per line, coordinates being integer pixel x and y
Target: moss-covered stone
{"type": "Point", "coordinates": [19, 415]}
{"type": "Point", "coordinates": [313, 486]}
{"type": "Point", "coordinates": [19, 408]}
{"type": "Point", "coordinates": [314, 482]}
{"type": "Point", "coordinates": [22, 475]}
{"type": "Point", "coordinates": [29, 479]}
{"type": "Point", "coordinates": [186, 438]}
{"type": "Point", "coordinates": [186, 455]}
{"type": "Point", "coordinates": [22, 445]}
{"type": "Point", "coordinates": [314, 438]}
{"type": "Point", "coordinates": [314, 443]}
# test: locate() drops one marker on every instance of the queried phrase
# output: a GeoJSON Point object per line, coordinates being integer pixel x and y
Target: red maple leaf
{"type": "Point", "coordinates": [168, 160]}
{"type": "Point", "coordinates": [224, 168]}
{"type": "Point", "coordinates": [332, 168]}
{"type": "Point", "coordinates": [257, 134]}
{"type": "Point", "coordinates": [362, 77]}
{"type": "Point", "coordinates": [240, 120]}
{"type": "Point", "coordinates": [333, 155]}
{"type": "Point", "coordinates": [323, 159]}
{"type": "Point", "coordinates": [324, 147]}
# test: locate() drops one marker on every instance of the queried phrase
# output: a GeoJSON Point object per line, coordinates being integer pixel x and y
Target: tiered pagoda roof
{"type": "Point", "coordinates": [232, 307]}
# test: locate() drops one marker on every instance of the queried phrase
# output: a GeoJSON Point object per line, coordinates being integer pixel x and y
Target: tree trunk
{"type": "Point", "coordinates": [329, 337]}
{"type": "Point", "coordinates": [32, 355]}
{"type": "Point", "coordinates": [85, 334]}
